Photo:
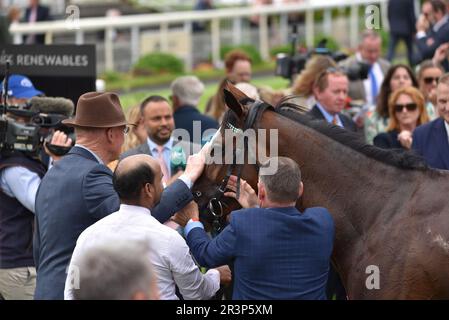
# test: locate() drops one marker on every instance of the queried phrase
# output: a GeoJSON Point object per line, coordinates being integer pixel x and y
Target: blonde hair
{"type": "Point", "coordinates": [132, 140]}
{"type": "Point", "coordinates": [303, 84]}
{"type": "Point", "coordinates": [417, 98]}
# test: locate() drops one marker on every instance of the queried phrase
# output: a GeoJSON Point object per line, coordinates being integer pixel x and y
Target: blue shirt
{"type": "Point", "coordinates": [20, 183]}
{"type": "Point", "coordinates": [166, 152]}
{"type": "Point", "coordinates": [329, 117]}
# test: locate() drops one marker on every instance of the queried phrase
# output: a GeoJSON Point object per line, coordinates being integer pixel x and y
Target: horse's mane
{"type": "Point", "coordinates": [395, 157]}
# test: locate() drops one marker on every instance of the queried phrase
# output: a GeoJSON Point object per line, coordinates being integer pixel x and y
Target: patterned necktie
{"type": "Point", "coordinates": [163, 165]}
{"type": "Point", "coordinates": [335, 120]}
{"type": "Point", "coordinates": [374, 88]}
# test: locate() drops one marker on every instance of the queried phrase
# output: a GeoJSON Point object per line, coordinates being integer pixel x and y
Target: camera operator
{"type": "Point", "coordinates": [369, 51]}
{"type": "Point", "coordinates": [20, 176]}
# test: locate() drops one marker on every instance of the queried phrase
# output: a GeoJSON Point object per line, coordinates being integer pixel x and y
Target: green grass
{"type": "Point", "coordinates": [131, 99]}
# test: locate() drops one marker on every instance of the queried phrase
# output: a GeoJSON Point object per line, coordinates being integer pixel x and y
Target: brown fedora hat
{"type": "Point", "coordinates": [98, 110]}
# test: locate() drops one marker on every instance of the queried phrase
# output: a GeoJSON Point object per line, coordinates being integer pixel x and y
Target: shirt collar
{"type": "Point", "coordinates": [440, 23]}
{"type": "Point", "coordinates": [93, 153]}
{"type": "Point", "coordinates": [327, 115]}
{"type": "Point", "coordinates": [134, 209]}
{"type": "Point", "coordinates": [447, 128]}
{"type": "Point", "coordinates": [153, 146]}
{"type": "Point", "coordinates": [358, 56]}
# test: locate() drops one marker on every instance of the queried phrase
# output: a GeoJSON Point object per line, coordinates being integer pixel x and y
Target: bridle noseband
{"type": "Point", "coordinates": [215, 205]}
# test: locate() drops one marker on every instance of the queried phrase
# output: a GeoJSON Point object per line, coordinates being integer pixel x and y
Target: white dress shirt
{"type": "Point", "coordinates": [447, 129]}
{"type": "Point", "coordinates": [170, 255]}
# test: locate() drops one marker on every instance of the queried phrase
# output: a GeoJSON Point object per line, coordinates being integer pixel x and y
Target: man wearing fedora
{"type": "Point", "coordinates": [78, 190]}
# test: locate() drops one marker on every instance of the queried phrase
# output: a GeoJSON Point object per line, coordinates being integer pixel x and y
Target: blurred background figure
{"type": "Point", "coordinates": [402, 21]}
{"type": "Point", "coordinates": [238, 69]}
{"type": "Point", "coordinates": [34, 13]}
{"type": "Point", "coordinates": [201, 26]}
{"type": "Point", "coordinates": [407, 110]}
{"type": "Point", "coordinates": [303, 85]}
{"type": "Point", "coordinates": [118, 270]}
{"type": "Point", "coordinates": [430, 36]}
{"type": "Point", "coordinates": [369, 51]}
{"type": "Point", "coordinates": [137, 134]}
{"type": "Point", "coordinates": [397, 77]}
{"type": "Point", "coordinates": [7, 17]}
{"type": "Point", "coordinates": [428, 75]}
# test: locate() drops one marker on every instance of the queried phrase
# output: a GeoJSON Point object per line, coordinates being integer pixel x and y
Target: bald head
{"type": "Point", "coordinates": [133, 174]}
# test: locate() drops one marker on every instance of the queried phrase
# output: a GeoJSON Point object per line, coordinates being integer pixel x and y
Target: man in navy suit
{"type": "Point", "coordinates": [402, 21]}
{"type": "Point", "coordinates": [34, 13]}
{"type": "Point", "coordinates": [428, 39]}
{"type": "Point", "coordinates": [431, 140]}
{"type": "Point", "coordinates": [331, 91]}
{"type": "Point", "coordinates": [77, 191]}
{"type": "Point", "coordinates": [186, 93]}
{"type": "Point", "coordinates": [278, 251]}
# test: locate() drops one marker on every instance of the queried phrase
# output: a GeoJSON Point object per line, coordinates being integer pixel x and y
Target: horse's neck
{"type": "Point", "coordinates": [349, 184]}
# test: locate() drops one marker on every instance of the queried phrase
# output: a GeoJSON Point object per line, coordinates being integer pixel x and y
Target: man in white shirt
{"type": "Point", "coordinates": [369, 51]}
{"type": "Point", "coordinates": [138, 182]}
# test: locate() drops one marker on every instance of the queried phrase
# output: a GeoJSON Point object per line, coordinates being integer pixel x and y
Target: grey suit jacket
{"type": "Point", "coordinates": [356, 88]}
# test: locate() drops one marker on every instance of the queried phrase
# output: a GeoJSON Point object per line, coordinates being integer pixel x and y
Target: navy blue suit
{"type": "Point", "coordinates": [278, 253]}
{"type": "Point", "coordinates": [73, 195]}
{"type": "Point", "coordinates": [431, 142]}
{"type": "Point", "coordinates": [439, 37]}
{"type": "Point", "coordinates": [184, 117]}
{"type": "Point", "coordinates": [388, 140]}
{"type": "Point", "coordinates": [43, 14]}
{"type": "Point", "coordinates": [402, 20]}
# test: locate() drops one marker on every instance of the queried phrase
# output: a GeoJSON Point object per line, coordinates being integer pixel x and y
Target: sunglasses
{"type": "Point", "coordinates": [408, 106]}
{"type": "Point", "coordinates": [429, 80]}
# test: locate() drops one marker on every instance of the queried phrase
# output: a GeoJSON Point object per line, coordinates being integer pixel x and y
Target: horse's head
{"type": "Point", "coordinates": [223, 159]}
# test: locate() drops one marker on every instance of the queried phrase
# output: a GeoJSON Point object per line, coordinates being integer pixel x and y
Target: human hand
{"type": "Point", "coordinates": [441, 53]}
{"type": "Point", "coordinates": [59, 139]}
{"type": "Point", "coordinates": [190, 211]}
{"type": "Point", "coordinates": [195, 165]}
{"type": "Point", "coordinates": [247, 197]}
{"type": "Point", "coordinates": [406, 139]}
{"type": "Point", "coordinates": [225, 274]}
{"type": "Point", "coordinates": [422, 24]}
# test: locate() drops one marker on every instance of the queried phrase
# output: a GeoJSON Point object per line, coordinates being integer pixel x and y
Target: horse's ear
{"type": "Point", "coordinates": [233, 103]}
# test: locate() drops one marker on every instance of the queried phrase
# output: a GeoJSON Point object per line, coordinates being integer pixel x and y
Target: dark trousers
{"type": "Point", "coordinates": [334, 287]}
{"type": "Point", "coordinates": [394, 40]}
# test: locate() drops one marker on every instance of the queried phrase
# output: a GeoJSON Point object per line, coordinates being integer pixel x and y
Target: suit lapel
{"type": "Point", "coordinates": [440, 136]}
{"type": "Point", "coordinates": [144, 148]}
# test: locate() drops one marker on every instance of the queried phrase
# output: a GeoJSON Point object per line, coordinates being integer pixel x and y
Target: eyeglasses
{"type": "Point", "coordinates": [429, 80]}
{"type": "Point", "coordinates": [126, 130]}
{"type": "Point", "coordinates": [408, 106]}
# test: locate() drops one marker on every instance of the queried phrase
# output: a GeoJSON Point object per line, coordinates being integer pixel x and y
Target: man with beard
{"type": "Point", "coordinates": [158, 120]}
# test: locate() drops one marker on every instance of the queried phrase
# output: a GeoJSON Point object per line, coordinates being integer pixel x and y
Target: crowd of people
{"type": "Point", "coordinates": [114, 218]}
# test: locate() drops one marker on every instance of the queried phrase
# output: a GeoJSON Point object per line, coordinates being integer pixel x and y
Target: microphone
{"type": "Point", "coordinates": [55, 105]}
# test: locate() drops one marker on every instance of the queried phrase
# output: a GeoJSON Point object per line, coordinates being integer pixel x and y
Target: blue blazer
{"type": "Point", "coordinates": [439, 37]}
{"type": "Point", "coordinates": [184, 117]}
{"type": "Point", "coordinates": [278, 253]}
{"type": "Point", "coordinates": [431, 142]}
{"type": "Point", "coordinates": [74, 194]}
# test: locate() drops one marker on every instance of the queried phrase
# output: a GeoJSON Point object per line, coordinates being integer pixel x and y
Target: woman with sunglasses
{"type": "Point", "coordinates": [428, 76]}
{"type": "Point", "coordinates": [406, 108]}
{"type": "Point", "coordinates": [398, 76]}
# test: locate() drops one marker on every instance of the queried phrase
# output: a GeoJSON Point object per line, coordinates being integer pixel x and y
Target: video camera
{"type": "Point", "coordinates": [25, 128]}
{"type": "Point", "coordinates": [287, 66]}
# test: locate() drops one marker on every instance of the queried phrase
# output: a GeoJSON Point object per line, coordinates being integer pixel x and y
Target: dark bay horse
{"type": "Point", "coordinates": [391, 212]}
